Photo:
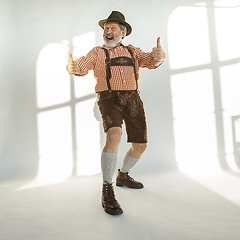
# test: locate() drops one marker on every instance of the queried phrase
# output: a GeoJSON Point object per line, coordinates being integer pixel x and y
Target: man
{"type": "Point", "coordinates": [116, 69]}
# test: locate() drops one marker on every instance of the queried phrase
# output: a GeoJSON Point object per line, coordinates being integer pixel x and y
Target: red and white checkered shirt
{"type": "Point", "coordinates": [122, 77]}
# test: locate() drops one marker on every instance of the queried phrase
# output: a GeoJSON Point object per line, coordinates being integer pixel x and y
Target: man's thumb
{"type": "Point", "coordinates": [158, 42]}
{"type": "Point", "coordinates": [70, 56]}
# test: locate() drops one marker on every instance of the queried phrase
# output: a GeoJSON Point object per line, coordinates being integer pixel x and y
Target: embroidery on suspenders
{"type": "Point", "coordinates": [119, 61]}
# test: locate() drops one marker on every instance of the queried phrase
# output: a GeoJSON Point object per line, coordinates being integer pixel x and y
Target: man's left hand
{"type": "Point", "coordinates": [158, 54]}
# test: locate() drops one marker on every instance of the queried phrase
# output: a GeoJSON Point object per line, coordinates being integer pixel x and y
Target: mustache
{"type": "Point", "coordinates": [109, 35]}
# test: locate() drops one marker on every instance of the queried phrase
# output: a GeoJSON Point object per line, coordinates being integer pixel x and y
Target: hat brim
{"type": "Point", "coordinates": [129, 28]}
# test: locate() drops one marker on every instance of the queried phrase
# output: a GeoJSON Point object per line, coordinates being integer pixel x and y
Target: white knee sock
{"type": "Point", "coordinates": [128, 163]}
{"type": "Point", "coordinates": [108, 165]}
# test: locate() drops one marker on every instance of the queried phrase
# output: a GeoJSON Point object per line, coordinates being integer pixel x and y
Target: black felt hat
{"type": "Point", "coordinates": [117, 17]}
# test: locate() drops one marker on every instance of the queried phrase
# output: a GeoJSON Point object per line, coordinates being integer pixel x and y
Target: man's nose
{"type": "Point", "coordinates": [108, 31]}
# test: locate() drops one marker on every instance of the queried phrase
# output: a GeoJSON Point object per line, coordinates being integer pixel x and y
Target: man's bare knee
{"type": "Point", "coordinates": [113, 139]}
{"type": "Point", "coordinates": [139, 147]}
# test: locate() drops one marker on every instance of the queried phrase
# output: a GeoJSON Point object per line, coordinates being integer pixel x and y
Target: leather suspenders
{"type": "Point", "coordinates": [119, 61]}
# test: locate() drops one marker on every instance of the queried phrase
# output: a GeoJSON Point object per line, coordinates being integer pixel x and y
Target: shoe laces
{"type": "Point", "coordinates": [109, 192]}
{"type": "Point", "coordinates": [129, 178]}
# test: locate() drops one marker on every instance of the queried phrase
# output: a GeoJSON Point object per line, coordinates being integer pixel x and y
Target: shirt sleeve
{"type": "Point", "coordinates": [145, 59]}
{"type": "Point", "coordinates": [88, 62]}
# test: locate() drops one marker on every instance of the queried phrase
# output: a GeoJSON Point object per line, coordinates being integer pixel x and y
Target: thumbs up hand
{"type": "Point", "coordinates": [158, 54]}
{"type": "Point", "coordinates": [72, 66]}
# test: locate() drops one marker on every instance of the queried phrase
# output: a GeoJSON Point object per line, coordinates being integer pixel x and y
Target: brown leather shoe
{"type": "Point", "coordinates": [109, 203]}
{"type": "Point", "coordinates": [123, 179]}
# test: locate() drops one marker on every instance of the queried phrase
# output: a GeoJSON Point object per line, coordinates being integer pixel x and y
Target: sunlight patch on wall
{"type": "Point", "coordinates": [201, 4]}
{"type": "Point", "coordinates": [227, 17]}
{"type": "Point", "coordinates": [87, 127]}
{"type": "Point", "coordinates": [230, 86]}
{"type": "Point", "coordinates": [188, 37]}
{"type": "Point", "coordinates": [194, 121]}
{"type": "Point", "coordinates": [192, 93]}
{"type": "Point", "coordinates": [55, 145]}
{"type": "Point", "coordinates": [88, 139]}
{"type": "Point", "coordinates": [84, 85]}
{"type": "Point", "coordinates": [52, 87]}
{"type": "Point", "coordinates": [227, 3]}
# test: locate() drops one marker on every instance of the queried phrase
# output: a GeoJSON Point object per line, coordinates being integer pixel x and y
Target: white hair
{"type": "Point", "coordinates": [123, 27]}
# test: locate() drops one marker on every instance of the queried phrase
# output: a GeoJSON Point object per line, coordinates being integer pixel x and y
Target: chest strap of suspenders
{"type": "Point", "coordinates": [119, 61]}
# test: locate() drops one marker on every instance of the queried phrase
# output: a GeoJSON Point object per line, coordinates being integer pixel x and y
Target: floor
{"type": "Point", "coordinates": [172, 206]}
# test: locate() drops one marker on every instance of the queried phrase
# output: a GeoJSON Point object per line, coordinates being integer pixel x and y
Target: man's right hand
{"type": "Point", "coordinates": [72, 66]}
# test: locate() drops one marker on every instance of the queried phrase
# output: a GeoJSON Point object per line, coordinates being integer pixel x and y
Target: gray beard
{"type": "Point", "coordinates": [117, 40]}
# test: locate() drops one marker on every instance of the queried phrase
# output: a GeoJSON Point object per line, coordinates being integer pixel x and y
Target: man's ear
{"type": "Point", "coordinates": [124, 33]}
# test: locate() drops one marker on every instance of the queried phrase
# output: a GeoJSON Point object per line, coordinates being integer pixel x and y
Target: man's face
{"type": "Point", "coordinates": [112, 34]}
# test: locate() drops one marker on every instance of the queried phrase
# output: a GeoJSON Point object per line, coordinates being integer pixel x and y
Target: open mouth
{"type": "Point", "coordinates": [109, 37]}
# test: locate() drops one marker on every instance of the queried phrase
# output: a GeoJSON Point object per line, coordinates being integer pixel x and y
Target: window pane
{"type": "Point", "coordinates": [52, 79]}
{"type": "Point", "coordinates": [230, 85]}
{"type": "Point", "coordinates": [88, 139]}
{"type": "Point", "coordinates": [82, 45]}
{"type": "Point", "coordinates": [55, 145]}
{"type": "Point", "coordinates": [188, 37]}
{"type": "Point", "coordinates": [227, 16]}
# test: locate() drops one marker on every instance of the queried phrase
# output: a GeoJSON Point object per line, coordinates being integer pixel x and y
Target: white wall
{"type": "Point", "coordinates": [186, 120]}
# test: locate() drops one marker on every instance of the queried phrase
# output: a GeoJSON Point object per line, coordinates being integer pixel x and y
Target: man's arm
{"type": "Point", "coordinates": [150, 60]}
